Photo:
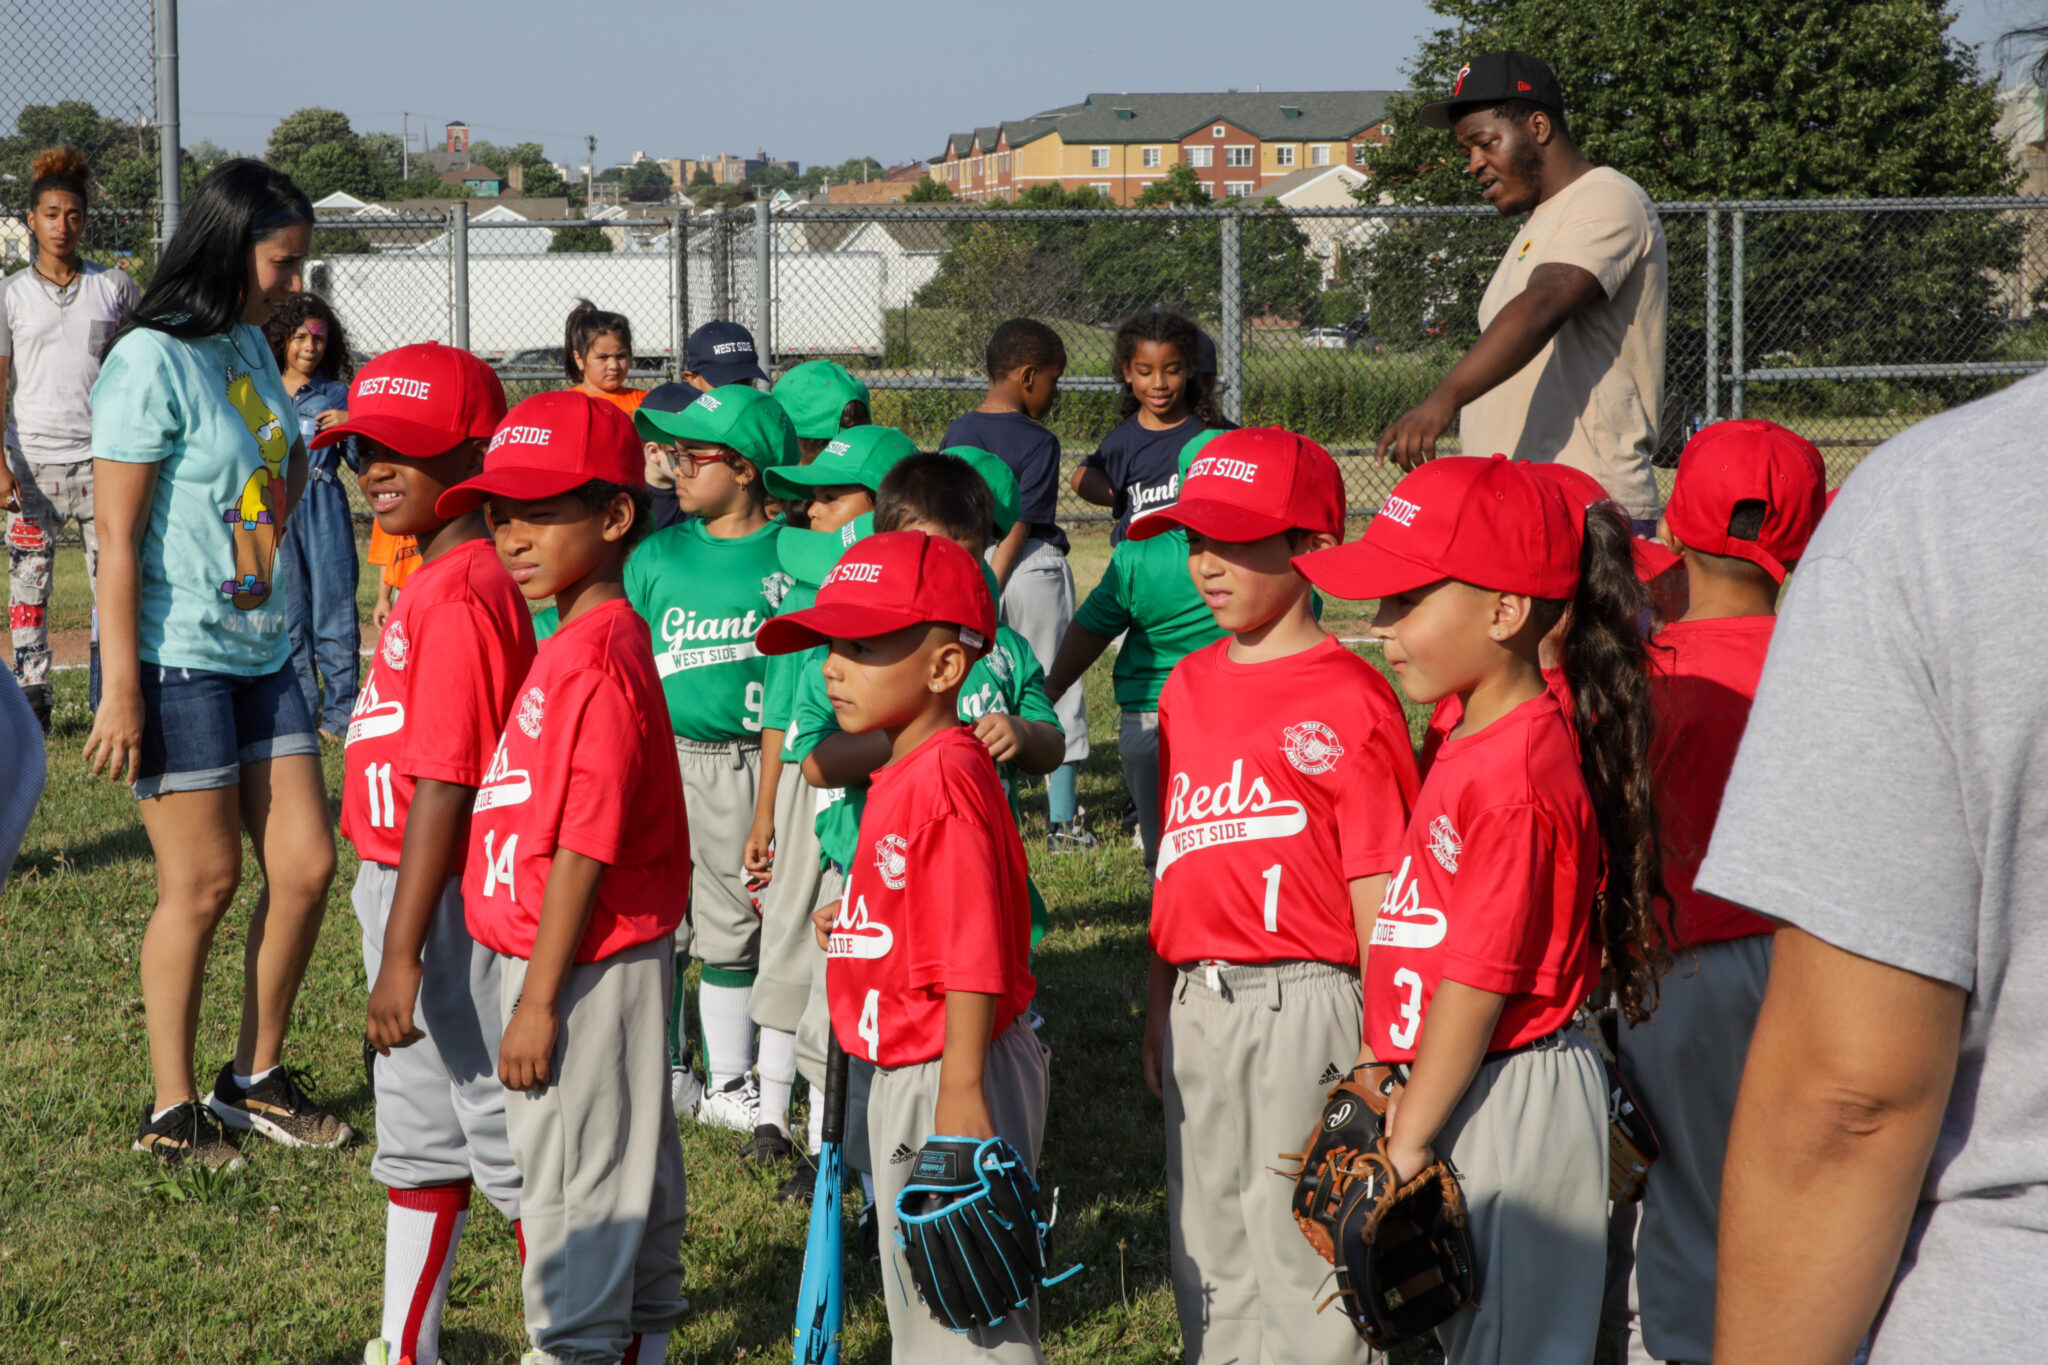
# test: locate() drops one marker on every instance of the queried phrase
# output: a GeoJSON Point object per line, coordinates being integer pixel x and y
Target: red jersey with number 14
{"type": "Point", "coordinates": [1495, 886]}
{"type": "Point", "coordinates": [442, 681]}
{"type": "Point", "coordinates": [1280, 783]}
{"type": "Point", "coordinates": [585, 763]}
{"type": "Point", "coordinates": [935, 901]}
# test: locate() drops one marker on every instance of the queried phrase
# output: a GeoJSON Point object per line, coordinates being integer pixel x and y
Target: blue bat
{"type": "Point", "coordinates": [820, 1303]}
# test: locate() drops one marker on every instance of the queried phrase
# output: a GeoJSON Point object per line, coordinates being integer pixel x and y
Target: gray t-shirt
{"type": "Point", "coordinates": [56, 349]}
{"type": "Point", "coordinates": [1891, 798]}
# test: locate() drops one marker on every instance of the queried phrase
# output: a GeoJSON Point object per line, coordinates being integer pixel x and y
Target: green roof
{"type": "Point", "coordinates": [1270, 115]}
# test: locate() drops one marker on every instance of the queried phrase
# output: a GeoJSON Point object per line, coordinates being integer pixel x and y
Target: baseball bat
{"type": "Point", "coordinates": [820, 1303]}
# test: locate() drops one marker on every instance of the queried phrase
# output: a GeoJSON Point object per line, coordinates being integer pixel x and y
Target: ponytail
{"type": "Point", "coordinates": [1606, 664]}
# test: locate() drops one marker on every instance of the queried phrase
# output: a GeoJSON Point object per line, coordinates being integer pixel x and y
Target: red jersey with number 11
{"type": "Point", "coordinates": [441, 684]}
{"type": "Point", "coordinates": [935, 902]}
{"type": "Point", "coordinates": [1495, 886]}
{"type": "Point", "coordinates": [1280, 783]}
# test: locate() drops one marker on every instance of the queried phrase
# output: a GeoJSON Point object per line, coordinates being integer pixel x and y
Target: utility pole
{"type": "Point", "coordinates": [405, 149]}
{"type": "Point", "coordinates": [590, 174]}
{"type": "Point", "coordinates": [169, 191]}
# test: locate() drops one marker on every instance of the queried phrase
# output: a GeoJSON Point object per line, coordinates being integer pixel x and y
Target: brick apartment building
{"type": "Point", "coordinates": [1117, 144]}
{"type": "Point", "coordinates": [892, 186]}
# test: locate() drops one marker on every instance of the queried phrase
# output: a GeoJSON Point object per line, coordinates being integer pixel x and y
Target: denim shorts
{"type": "Point", "coordinates": [200, 729]}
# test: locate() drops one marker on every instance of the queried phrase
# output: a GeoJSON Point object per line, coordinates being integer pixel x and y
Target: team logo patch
{"type": "Point", "coordinates": [529, 711]}
{"type": "Point", "coordinates": [1458, 86]}
{"type": "Point", "coordinates": [1331, 1075]}
{"type": "Point", "coordinates": [710, 404]}
{"type": "Point", "coordinates": [1311, 747]}
{"type": "Point", "coordinates": [892, 860]}
{"type": "Point", "coordinates": [776, 586]}
{"type": "Point", "coordinates": [396, 646]}
{"type": "Point", "coordinates": [1444, 843]}
{"type": "Point", "coordinates": [1525, 248]}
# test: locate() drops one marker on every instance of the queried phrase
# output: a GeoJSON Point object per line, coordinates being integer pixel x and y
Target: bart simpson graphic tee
{"type": "Point", "coordinates": [205, 412]}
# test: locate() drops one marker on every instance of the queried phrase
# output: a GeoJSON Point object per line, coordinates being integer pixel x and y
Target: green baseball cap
{"type": "Point", "coordinates": [858, 457]}
{"type": "Point", "coordinates": [807, 556]}
{"type": "Point", "coordinates": [815, 394]}
{"type": "Point", "coordinates": [1002, 481]}
{"type": "Point", "coordinates": [735, 415]}
{"type": "Point", "coordinates": [1194, 448]}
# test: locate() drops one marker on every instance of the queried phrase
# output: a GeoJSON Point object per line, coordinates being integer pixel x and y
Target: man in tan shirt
{"type": "Point", "coordinates": [1569, 365]}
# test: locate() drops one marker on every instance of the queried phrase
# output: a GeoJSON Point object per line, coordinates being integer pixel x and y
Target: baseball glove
{"type": "Point", "coordinates": [1404, 1260]}
{"type": "Point", "coordinates": [1632, 1146]}
{"type": "Point", "coordinates": [1349, 1128]}
{"type": "Point", "coordinates": [971, 1226]}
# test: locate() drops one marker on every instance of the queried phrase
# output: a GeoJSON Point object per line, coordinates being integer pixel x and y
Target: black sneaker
{"type": "Point", "coordinates": [868, 1235]}
{"type": "Point", "coordinates": [42, 700]}
{"type": "Point", "coordinates": [187, 1133]}
{"type": "Point", "coordinates": [801, 1185]}
{"type": "Point", "coordinates": [1071, 837]}
{"type": "Point", "coordinates": [769, 1146]}
{"type": "Point", "coordinates": [278, 1108]}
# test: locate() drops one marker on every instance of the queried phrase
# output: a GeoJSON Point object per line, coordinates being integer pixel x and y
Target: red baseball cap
{"type": "Point", "coordinates": [1489, 522]}
{"type": "Point", "coordinates": [549, 444]}
{"type": "Point", "coordinates": [421, 401]}
{"type": "Point", "coordinates": [1749, 460]}
{"type": "Point", "coordinates": [1253, 483]}
{"type": "Point", "coordinates": [888, 582]}
{"type": "Point", "coordinates": [1583, 490]}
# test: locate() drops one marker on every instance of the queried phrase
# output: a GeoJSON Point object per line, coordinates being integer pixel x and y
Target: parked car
{"type": "Point", "coordinates": [1326, 338]}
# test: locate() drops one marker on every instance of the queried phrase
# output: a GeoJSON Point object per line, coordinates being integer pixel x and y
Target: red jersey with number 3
{"type": "Point", "coordinates": [585, 763]}
{"type": "Point", "coordinates": [1703, 677]}
{"type": "Point", "coordinates": [1280, 783]}
{"type": "Point", "coordinates": [1494, 888]}
{"type": "Point", "coordinates": [935, 901]}
{"type": "Point", "coordinates": [441, 685]}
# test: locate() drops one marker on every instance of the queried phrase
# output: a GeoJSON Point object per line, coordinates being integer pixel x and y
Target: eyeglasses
{"type": "Point", "coordinates": [686, 465]}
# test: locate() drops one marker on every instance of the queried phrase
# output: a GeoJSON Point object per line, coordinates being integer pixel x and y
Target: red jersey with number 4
{"type": "Point", "coordinates": [1703, 677]}
{"type": "Point", "coordinates": [1280, 783]}
{"type": "Point", "coordinates": [585, 763]}
{"type": "Point", "coordinates": [442, 681]}
{"type": "Point", "coordinates": [1495, 886]}
{"type": "Point", "coordinates": [935, 901]}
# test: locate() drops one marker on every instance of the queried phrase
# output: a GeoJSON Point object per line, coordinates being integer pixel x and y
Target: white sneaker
{"type": "Point", "coordinates": [685, 1091]}
{"type": "Point", "coordinates": [379, 1352]}
{"type": "Point", "coordinates": [737, 1106]}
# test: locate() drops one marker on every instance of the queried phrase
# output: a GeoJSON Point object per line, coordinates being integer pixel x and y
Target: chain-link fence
{"type": "Point", "coordinates": [1846, 320]}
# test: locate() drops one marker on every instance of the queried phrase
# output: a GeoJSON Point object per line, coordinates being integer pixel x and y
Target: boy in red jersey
{"type": "Point", "coordinates": [577, 846]}
{"type": "Point", "coordinates": [927, 973]}
{"type": "Point", "coordinates": [442, 680]}
{"type": "Point", "coordinates": [1747, 498]}
{"type": "Point", "coordinates": [1286, 779]}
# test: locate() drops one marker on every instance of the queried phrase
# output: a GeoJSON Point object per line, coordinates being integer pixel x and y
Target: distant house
{"type": "Point", "coordinates": [910, 250]}
{"type": "Point", "coordinates": [892, 186]}
{"type": "Point", "coordinates": [370, 220]}
{"type": "Point", "coordinates": [1326, 187]}
{"type": "Point", "coordinates": [452, 164]}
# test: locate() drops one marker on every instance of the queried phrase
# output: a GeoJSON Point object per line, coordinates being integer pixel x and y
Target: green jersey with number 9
{"type": "Point", "coordinates": [703, 597]}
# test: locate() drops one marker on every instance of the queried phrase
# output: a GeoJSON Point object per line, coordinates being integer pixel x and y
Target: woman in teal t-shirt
{"type": "Point", "coordinates": [197, 464]}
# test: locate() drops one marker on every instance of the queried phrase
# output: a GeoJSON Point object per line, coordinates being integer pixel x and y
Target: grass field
{"type": "Point", "coordinates": [104, 1259]}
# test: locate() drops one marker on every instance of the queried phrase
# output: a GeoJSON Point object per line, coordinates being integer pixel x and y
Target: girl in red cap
{"type": "Point", "coordinates": [1529, 852]}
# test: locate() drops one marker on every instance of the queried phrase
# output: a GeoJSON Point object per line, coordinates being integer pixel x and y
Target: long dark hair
{"type": "Point", "coordinates": [588, 322]}
{"type": "Point", "coordinates": [1607, 665]}
{"type": "Point", "coordinates": [202, 281]}
{"type": "Point", "coordinates": [1173, 329]}
{"type": "Point", "coordinates": [293, 314]}
{"type": "Point", "coordinates": [59, 168]}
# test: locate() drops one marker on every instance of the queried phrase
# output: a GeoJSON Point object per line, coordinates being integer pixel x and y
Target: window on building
{"type": "Point", "coordinates": [1150, 156]}
{"type": "Point", "coordinates": [1217, 131]}
{"type": "Point", "coordinates": [1237, 189]}
{"type": "Point", "coordinates": [1101, 187]}
{"type": "Point", "coordinates": [1358, 153]}
{"type": "Point", "coordinates": [1283, 156]}
{"type": "Point", "coordinates": [1238, 156]}
{"type": "Point", "coordinates": [1203, 157]}
{"type": "Point", "coordinates": [1209, 188]}
{"type": "Point", "coordinates": [1098, 158]}
{"type": "Point", "coordinates": [1319, 156]}
{"type": "Point", "coordinates": [1003, 164]}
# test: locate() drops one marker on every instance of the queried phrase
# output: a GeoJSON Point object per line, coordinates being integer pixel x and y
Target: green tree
{"type": "Point", "coordinates": [388, 151]}
{"type": "Point", "coordinates": [580, 237]}
{"type": "Point", "coordinates": [344, 166]}
{"type": "Point", "coordinates": [701, 177]}
{"type": "Point", "coordinates": [303, 129]}
{"type": "Point", "coordinates": [1729, 99]}
{"type": "Point", "coordinates": [645, 182]}
{"type": "Point", "coordinates": [929, 191]}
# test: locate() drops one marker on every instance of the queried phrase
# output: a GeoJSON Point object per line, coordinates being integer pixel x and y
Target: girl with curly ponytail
{"type": "Point", "coordinates": [1531, 848]}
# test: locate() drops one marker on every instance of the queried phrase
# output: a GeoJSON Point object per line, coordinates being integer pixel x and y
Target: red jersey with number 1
{"type": "Point", "coordinates": [935, 901]}
{"type": "Point", "coordinates": [1280, 783]}
{"type": "Point", "coordinates": [441, 684]}
{"type": "Point", "coordinates": [1495, 886]}
{"type": "Point", "coordinates": [585, 763]}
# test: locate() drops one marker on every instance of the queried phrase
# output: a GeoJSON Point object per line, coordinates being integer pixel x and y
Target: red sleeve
{"type": "Point", "coordinates": [602, 752]}
{"type": "Point", "coordinates": [1373, 804]}
{"type": "Point", "coordinates": [1164, 727]}
{"type": "Point", "coordinates": [1501, 902]}
{"type": "Point", "coordinates": [958, 923]}
{"type": "Point", "coordinates": [464, 668]}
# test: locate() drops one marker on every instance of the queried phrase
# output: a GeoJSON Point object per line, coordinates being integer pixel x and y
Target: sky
{"type": "Point", "coordinates": [808, 81]}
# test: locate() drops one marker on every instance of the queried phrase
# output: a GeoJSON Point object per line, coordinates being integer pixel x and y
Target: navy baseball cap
{"type": "Point", "coordinates": [1494, 78]}
{"type": "Point", "coordinates": [723, 353]}
{"type": "Point", "coordinates": [670, 397]}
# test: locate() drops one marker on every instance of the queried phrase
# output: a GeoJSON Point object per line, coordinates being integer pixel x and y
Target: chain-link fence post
{"type": "Point", "coordinates": [458, 273]}
{"type": "Point", "coordinates": [1713, 328]}
{"type": "Point", "coordinates": [679, 292]}
{"type": "Point", "coordinates": [1230, 317]}
{"type": "Point", "coordinates": [1735, 361]}
{"type": "Point", "coordinates": [764, 284]}
{"type": "Point", "coordinates": [170, 192]}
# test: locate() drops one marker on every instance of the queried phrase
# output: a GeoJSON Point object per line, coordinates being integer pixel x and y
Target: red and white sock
{"type": "Point", "coordinates": [648, 1348]}
{"type": "Point", "coordinates": [422, 1228]}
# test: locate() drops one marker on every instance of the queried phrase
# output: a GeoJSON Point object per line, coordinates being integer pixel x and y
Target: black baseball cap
{"type": "Point", "coordinates": [723, 352]}
{"type": "Point", "coordinates": [670, 397]}
{"type": "Point", "coordinates": [1492, 79]}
